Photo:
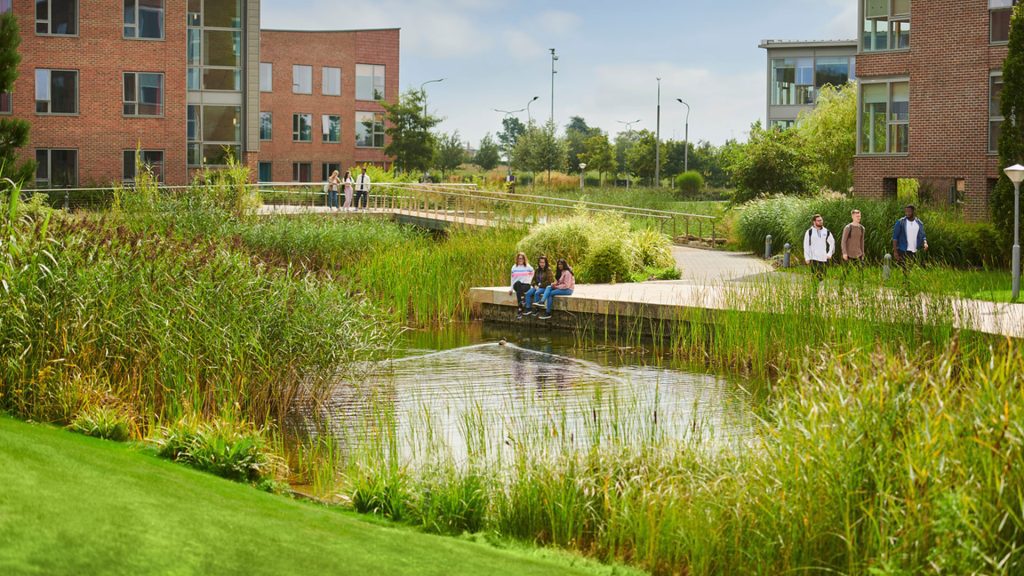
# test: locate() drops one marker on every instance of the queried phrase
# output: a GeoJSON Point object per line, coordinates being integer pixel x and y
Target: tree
{"type": "Point", "coordinates": [576, 135]}
{"type": "Point", "coordinates": [511, 129]}
{"type": "Point", "coordinates": [640, 160]}
{"type": "Point", "coordinates": [450, 152]}
{"type": "Point", "coordinates": [830, 134]}
{"type": "Point", "coordinates": [624, 142]}
{"type": "Point", "coordinates": [13, 132]}
{"type": "Point", "coordinates": [773, 161]}
{"type": "Point", "coordinates": [488, 156]}
{"type": "Point", "coordinates": [539, 149]}
{"type": "Point", "coordinates": [599, 155]}
{"type": "Point", "coordinates": [1011, 136]}
{"type": "Point", "coordinates": [412, 145]}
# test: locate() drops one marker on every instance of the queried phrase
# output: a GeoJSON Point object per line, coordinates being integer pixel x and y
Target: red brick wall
{"type": "Point", "coordinates": [339, 49]}
{"type": "Point", "coordinates": [948, 64]}
{"type": "Point", "coordinates": [100, 132]}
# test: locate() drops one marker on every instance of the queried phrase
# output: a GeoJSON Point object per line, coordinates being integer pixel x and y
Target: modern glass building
{"type": "Point", "coordinates": [798, 70]}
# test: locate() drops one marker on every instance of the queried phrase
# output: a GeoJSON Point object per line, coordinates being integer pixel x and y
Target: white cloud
{"type": "Point", "coordinates": [521, 45]}
{"type": "Point", "coordinates": [559, 22]}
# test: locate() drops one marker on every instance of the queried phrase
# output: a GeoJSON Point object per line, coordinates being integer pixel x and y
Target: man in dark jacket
{"type": "Point", "coordinates": [908, 237]}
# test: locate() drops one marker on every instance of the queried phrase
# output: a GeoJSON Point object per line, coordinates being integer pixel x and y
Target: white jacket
{"type": "Point", "coordinates": [363, 183]}
{"type": "Point", "coordinates": [819, 245]}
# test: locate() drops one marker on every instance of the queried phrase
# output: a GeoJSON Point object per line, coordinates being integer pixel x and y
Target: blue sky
{"type": "Point", "coordinates": [494, 54]}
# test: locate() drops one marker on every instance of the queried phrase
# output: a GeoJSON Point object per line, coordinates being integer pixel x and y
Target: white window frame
{"type": "Point", "coordinates": [296, 86]}
{"type": "Point", "coordinates": [330, 90]}
{"type": "Point", "coordinates": [266, 80]}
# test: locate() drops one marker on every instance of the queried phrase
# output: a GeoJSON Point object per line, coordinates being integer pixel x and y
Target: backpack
{"type": "Point", "coordinates": [828, 245]}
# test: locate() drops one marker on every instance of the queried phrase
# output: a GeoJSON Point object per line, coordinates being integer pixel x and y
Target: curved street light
{"type": "Point", "coordinates": [529, 117]}
{"type": "Point", "coordinates": [686, 141]}
{"type": "Point", "coordinates": [629, 133]}
{"type": "Point", "coordinates": [424, 92]}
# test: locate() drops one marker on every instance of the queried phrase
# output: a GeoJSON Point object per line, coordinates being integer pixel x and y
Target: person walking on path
{"type": "Point", "coordinates": [819, 246]}
{"type": "Point", "coordinates": [348, 183]}
{"type": "Point", "coordinates": [564, 286]}
{"type": "Point", "coordinates": [852, 243]}
{"type": "Point", "coordinates": [908, 238]}
{"type": "Point", "coordinates": [542, 278]}
{"type": "Point", "coordinates": [362, 190]}
{"type": "Point", "coordinates": [522, 277]}
{"type": "Point", "coordinates": [333, 182]}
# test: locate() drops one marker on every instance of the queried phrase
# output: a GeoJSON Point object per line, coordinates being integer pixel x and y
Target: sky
{"type": "Point", "coordinates": [494, 54]}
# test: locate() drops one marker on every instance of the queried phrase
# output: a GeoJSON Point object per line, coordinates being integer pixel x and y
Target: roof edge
{"type": "Point", "coordinates": [396, 28]}
{"type": "Point", "coordinates": [806, 43]}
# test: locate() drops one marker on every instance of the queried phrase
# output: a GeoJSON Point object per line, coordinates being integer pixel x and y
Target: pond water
{"type": "Point", "coordinates": [476, 390]}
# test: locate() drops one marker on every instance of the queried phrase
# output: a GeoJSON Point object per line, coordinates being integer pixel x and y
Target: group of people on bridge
{"type": "Point", "coordinates": [357, 190]}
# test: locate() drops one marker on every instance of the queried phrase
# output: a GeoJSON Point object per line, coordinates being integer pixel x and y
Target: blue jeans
{"type": "Point", "coordinates": [332, 199]}
{"type": "Point", "coordinates": [532, 295]}
{"type": "Point", "coordinates": [549, 296]}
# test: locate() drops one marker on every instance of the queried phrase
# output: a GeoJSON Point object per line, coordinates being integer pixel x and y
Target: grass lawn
{"type": "Point", "coordinates": [75, 505]}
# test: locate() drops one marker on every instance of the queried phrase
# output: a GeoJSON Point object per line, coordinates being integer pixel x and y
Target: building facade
{"type": "Point", "coordinates": [320, 101]}
{"type": "Point", "coordinates": [928, 102]}
{"type": "Point", "coordinates": [798, 70]}
{"type": "Point", "coordinates": [179, 83]}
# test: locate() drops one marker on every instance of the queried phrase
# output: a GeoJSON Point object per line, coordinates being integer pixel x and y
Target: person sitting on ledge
{"type": "Point", "coordinates": [564, 286]}
{"type": "Point", "coordinates": [541, 280]}
{"type": "Point", "coordinates": [522, 277]}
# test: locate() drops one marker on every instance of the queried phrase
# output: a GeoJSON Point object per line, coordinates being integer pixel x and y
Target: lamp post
{"type": "Point", "coordinates": [508, 153]}
{"type": "Point", "coordinates": [424, 92]}
{"type": "Point", "coordinates": [554, 58]}
{"type": "Point", "coordinates": [657, 142]}
{"type": "Point", "coordinates": [629, 134]}
{"type": "Point", "coordinates": [1016, 175]}
{"type": "Point", "coordinates": [686, 141]}
{"type": "Point", "coordinates": [583, 166]}
{"type": "Point", "coordinates": [529, 117]}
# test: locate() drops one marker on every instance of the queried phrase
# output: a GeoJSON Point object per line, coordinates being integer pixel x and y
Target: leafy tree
{"type": "Point", "coordinates": [412, 145]}
{"type": "Point", "coordinates": [1011, 137]}
{"type": "Point", "coordinates": [13, 132]}
{"type": "Point", "coordinates": [599, 155]}
{"type": "Point", "coordinates": [773, 161]}
{"type": "Point", "coordinates": [576, 135]}
{"type": "Point", "coordinates": [511, 129]}
{"type": "Point", "coordinates": [488, 156]}
{"type": "Point", "coordinates": [539, 149]}
{"type": "Point", "coordinates": [450, 152]}
{"type": "Point", "coordinates": [640, 160]}
{"type": "Point", "coordinates": [830, 134]}
{"type": "Point", "coordinates": [712, 163]}
{"type": "Point", "coordinates": [624, 142]}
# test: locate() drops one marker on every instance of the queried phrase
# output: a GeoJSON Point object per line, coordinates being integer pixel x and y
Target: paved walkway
{"type": "Point", "coordinates": [712, 266]}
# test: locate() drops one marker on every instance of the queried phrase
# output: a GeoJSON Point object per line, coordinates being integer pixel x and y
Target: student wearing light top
{"type": "Point", "coordinates": [522, 277]}
{"type": "Point", "coordinates": [908, 237]}
{"type": "Point", "coordinates": [332, 190]}
{"type": "Point", "coordinates": [362, 189]}
{"type": "Point", "coordinates": [819, 246]}
{"type": "Point", "coordinates": [348, 182]}
{"type": "Point", "coordinates": [565, 284]}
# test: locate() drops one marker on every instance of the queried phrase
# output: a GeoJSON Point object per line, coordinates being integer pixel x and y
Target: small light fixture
{"type": "Point", "coordinates": [1015, 173]}
{"type": "Point", "coordinates": [583, 165]}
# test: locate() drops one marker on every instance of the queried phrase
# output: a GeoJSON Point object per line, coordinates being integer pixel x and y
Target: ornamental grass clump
{"type": "Point", "coordinates": [106, 422]}
{"type": "Point", "coordinates": [231, 450]}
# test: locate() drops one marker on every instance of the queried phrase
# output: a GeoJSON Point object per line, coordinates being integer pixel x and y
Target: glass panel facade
{"type": "Point", "coordinates": [792, 81]}
{"type": "Point", "coordinates": [56, 168]}
{"type": "Point", "coordinates": [302, 79]}
{"type": "Point", "coordinates": [331, 128]}
{"type": "Point", "coordinates": [302, 128]}
{"type": "Point", "coordinates": [57, 17]}
{"type": "Point", "coordinates": [222, 124]}
{"type": "Point", "coordinates": [332, 81]}
{"type": "Point", "coordinates": [266, 77]}
{"type": "Point", "coordinates": [833, 71]}
{"type": "Point", "coordinates": [369, 82]}
{"type": "Point", "coordinates": [266, 126]}
{"type": "Point", "coordinates": [222, 14]}
{"type": "Point", "coordinates": [56, 91]}
{"type": "Point", "coordinates": [886, 25]}
{"type": "Point", "coordinates": [369, 130]}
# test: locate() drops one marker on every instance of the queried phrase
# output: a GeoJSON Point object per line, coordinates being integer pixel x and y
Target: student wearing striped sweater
{"type": "Point", "coordinates": [522, 277]}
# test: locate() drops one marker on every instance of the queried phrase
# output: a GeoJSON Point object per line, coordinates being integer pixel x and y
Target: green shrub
{"type": "Point", "coordinates": [106, 422]}
{"type": "Point", "coordinates": [647, 274]}
{"type": "Point", "coordinates": [760, 218]}
{"type": "Point", "coordinates": [650, 249]}
{"type": "Point", "coordinates": [606, 264]}
{"type": "Point", "coordinates": [689, 184]}
{"type": "Point", "coordinates": [229, 450]}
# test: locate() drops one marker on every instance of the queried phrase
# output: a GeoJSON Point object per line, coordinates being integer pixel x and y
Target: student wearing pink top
{"type": "Point", "coordinates": [522, 276]}
{"type": "Point", "coordinates": [563, 286]}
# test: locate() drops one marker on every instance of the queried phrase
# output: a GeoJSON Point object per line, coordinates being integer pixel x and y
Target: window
{"type": "Point", "coordinates": [5, 6]}
{"type": "Point", "coordinates": [885, 118]}
{"type": "Point", "coordinates": [214, 46]}
{"type": "Point", "coordinates": [6, 103]}
{"type": "Point", "coordinates": [369, 82]}
{"type": "Point", "coordinates": [792, 81]}
{"type": "Point", "coordinates": [782, 124]}
{"type": "Point", "coordinates": [332, 81]}
{"type": "Point", "coordinates": [266, 77]}
{"type": "Point", "coordinates": [995, 110]}
{"type": "Point", "coordinates": [331, 128]}
{"type": "Point", "coordinates": [328, 168]}
{"type": "Point", "coordinates": [369, 130]}
{"type": "Point", "coordinates": [144, 19]}
{"type": "Point", "coordinates": [302, 128]}
{"type": "Point", "coordinates": [266, 125]}
{"type": "Point", "coordinates": [57, 17]}
{"type": "Point", "coordinates": [143, 94]}
{"type": "Point", "coordinates": [302, 172]}
{"type": "Point", "coordinates": [999, 13]}
{"type": "Point", "coordinates": [151, 160]}
{"type": "Point", "coordinates": [886, 25]}
{"type": "Point", "coordinates": [56, 91]}
{"type": "Point", "coordinates": [265, 172]}
{"type": "Point", "coordinates": [831, 71]}
{"type": "Point", "coordinates": [302, 79]}
{"type": "Point", "coordinates": [213, 133]}
{"type": "Point", "coordinates": [56, 168]}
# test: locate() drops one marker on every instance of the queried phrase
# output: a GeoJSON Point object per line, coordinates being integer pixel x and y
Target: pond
{"type": "Point", "coordinates": [478, 391]}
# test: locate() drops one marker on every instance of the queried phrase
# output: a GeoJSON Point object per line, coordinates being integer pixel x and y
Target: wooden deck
{"type": "Point", "coordinates": [430, 219]}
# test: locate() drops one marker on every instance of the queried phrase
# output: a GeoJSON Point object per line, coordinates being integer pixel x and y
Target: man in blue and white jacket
{"type": "Point", "coordinates": [908, 237]}
{"type": "Point", "coordinates": [819, 246]}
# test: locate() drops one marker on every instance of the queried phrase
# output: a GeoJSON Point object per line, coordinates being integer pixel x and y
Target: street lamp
{"type": "Point", "coordinates": [424, 92]}
{"type": "Point", "coordinates": [529, 117]}
{"type": "Point", "coordinates": [583, 167]}
{"type": "Point", "coordinates": [657, 142]}
{"type": "Point", "coordinates": [1016, 175]}
{"type": "Point", "coordinates": [508, 153]}
{"type": "Point", "coordinates": [629, 134]}
{"type": "Point", "coordinates": [686, 142]}
{"type": "Point", "coordinates": [554, 58]}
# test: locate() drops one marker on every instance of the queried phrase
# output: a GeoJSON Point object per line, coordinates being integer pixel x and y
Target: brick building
{"type": "Point", "coordinates": [181, 81]}
{"type": "Point", "coordinates": [320, 100]}
{"type": "Point", "coordinates": [928, 106]}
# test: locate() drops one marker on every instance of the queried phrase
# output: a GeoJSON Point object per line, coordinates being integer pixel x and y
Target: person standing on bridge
{"type": "Point", "coordinates": [522, 277]}
{"type": "Point", "coordinates": [362, 190]}
{"type": "Point", "coordinates": [348, 183]}
{"type": "Point", "coordinates": [333, 183]}
{"type": "Point", "coordinates": [819, 246]}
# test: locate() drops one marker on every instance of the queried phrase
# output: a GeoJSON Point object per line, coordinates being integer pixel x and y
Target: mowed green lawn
{"type": "Point", "coordinates": [76, 505]}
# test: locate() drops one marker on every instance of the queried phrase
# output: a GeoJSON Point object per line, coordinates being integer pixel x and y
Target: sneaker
{"type": "Point", "coordinates": [519, 316]}
{"type": "Point", "coordinates": [545, 316]}
{"type": "Point", "coordinates": [527, 313]}
{"type": "Point", "coordinates": [538, 304]}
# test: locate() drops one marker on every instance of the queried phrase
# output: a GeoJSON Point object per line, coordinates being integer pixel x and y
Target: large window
{"type": "Point", "coordinates": [332, 81]}
{"type": "Point", "coordinates": [831, 70]}
{"type": "Point", "coordinates": [56, 91]}
{"type": "Point", "coordinates": [266, 126]}
{"type": "Point", "coordinates": [331, 128]}
{"type": "Point", "coordinates": [57, 17]}
{"type": "Point", "coordinates": [214, 59]}
{"type": "Point", "coordinates": [143, 94]}
{"type": "Point", "coordinates": [302, 128]}
{"type": "Point", "coordinates": [328, 168]}
{"type": "Point", "coordinates": [886, 25]}
{"type": "Point", "coordinates": [369, 130]}
{"type": "Point", "coordinates": [266, 77]}
{"type": "Point", "coordinates": [144, 19]}
{"type": "Point", "coordinates": [302, 172]}
{"type": "Point", "coordinates": [792, 81]}
{"type": "Point", "coordinates": [265, 172]}
{"type": "Point", "coordinates": [1000, 12]}
{"type": "Point", "coordinates": [6, 103]}
{"type": "Point", "coordinates": [885, 118]}
{"type": "Point", "coordinates": [151, 161]}
{"type": "Point", "coordinates": [56, 168]}
{"type": "Point", "coordinates": [302, 79]}
{"type": "Point", "coordinates": [995, 110]}
{"type": "Point", "coordinates": [214, 132]}
{"type": "Point", "coordinates": [369, 82]}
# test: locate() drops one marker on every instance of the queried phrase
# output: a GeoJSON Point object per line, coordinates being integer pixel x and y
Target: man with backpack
{"type": "Point", "coordinates": [819, 246]}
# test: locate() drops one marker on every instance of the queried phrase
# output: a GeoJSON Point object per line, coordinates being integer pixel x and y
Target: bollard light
{"type": "Point", "coordinates": [786, 255]}
{"type": "Point", "coordinates": [887, 267]}
{"type": "Point", "coordinates": [768, 247]}
{"type": "Point", "coordinates": [583, 167]}
{"type": "Point", "coordinates": [1016, 175]}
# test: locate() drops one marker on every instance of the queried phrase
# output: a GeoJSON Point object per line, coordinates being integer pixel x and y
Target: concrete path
{"type": "Point", "coordinates": [712, 267]}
